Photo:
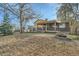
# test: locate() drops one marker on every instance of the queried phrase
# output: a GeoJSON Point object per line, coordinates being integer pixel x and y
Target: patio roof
{"type": "Point", "coordinates": [40, 21]}
{"type": "Point", "coordinates": [57, 21]}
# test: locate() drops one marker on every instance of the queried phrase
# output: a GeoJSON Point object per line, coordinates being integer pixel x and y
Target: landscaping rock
{"type": "Point", "coordinates": [61, 34]}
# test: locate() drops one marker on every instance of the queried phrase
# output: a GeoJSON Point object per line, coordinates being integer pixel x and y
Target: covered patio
{"type": "Point", "coordinates": [53, 25]}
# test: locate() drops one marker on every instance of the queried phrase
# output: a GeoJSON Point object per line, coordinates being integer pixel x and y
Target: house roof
{"type": "Point", "coordinates": [57, 21]}
{"type": "Point", "coordinates": [40, 21]}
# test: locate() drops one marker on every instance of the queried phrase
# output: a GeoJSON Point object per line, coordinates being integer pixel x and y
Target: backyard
{"type": "Point", "coordinates": [37, 44]}
{"type": "Point", "coordinates": [39, 29]}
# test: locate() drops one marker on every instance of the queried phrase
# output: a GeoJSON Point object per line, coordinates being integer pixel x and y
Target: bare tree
{"type": "Point", "coordinates": [23, 12]}
{"type": "Point", "coordinates": [68, 12]}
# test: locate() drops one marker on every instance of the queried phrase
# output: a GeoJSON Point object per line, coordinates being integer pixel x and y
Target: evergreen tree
{"type": "Point", "coordinates": [6, 27]}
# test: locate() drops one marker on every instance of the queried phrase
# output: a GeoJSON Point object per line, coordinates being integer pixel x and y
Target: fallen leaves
{"type": "Point", "coordinates": [45, 45]}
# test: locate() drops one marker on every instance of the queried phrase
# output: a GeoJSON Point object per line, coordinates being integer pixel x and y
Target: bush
{"type": "Point", "coordinates": [6, 30]}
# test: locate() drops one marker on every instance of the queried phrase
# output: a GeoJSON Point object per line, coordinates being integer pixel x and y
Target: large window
{"type": "Point", "coordinates": [62, 26]}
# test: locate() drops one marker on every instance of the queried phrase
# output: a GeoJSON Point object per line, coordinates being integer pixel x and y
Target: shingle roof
{"type": "Point", "coordinates": [40, 21]}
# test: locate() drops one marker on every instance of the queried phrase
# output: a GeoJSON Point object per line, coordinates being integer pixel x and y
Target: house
{"type": "Point", "coordinates": [48, 26]}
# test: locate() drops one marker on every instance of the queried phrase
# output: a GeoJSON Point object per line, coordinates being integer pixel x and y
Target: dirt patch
{"type": "Point", "coordinates": [36, 45]}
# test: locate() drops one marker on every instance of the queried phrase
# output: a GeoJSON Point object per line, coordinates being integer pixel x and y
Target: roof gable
{"type": "Point", "coordinates": [40, 21]}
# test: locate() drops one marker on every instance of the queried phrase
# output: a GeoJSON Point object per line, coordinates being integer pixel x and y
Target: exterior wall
{"type": "Point", "coordinates": [50, 27]}
{"type": "Point", "coordinates": [41, 27]}
{"type": "Point", "coordinates": [64, 27]}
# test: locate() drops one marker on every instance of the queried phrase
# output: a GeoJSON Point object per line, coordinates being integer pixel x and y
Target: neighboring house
{"type": "Point", "coordinates": [47, 26]}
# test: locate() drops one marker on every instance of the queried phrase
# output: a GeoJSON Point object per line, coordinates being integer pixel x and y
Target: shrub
{"type": "Point", "coordinates": [6, 30]}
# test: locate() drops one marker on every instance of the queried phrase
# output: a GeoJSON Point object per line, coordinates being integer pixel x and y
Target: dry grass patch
{"type": "Point", "coordinates": [36, 45]}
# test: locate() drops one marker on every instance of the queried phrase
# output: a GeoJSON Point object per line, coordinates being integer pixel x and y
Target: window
{"type": "Point", "coordinates": [62, 26]}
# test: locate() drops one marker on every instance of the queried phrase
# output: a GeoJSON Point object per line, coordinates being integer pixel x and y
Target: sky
{"type": "Point", "coordinates": [46, 11]}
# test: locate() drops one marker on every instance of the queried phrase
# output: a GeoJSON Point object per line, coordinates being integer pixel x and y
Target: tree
{"type": "Point", "coordinates": [68, 12]}
{"type": "Point", "coordinates": [24, 13]}
{"type": "Point", "coordinates": [6, 28]}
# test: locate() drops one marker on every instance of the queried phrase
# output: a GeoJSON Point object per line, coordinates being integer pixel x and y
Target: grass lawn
{"type": "Point", "coordinates": [33, 44]}
{"type": "Point", "coordinates": [73, 37]}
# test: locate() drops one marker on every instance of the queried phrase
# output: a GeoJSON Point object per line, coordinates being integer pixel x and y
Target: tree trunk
{"type": "Point", "coordinates": [76, 30]}
{"type": "Point", "coordinates": [72, 30]}
{"type": "Point", "coordinates": [73, 27]}
{"type": "Point", "coordinates": [21, 28]}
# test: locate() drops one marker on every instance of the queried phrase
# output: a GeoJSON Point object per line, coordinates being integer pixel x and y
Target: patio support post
{"type": "Point", "coordinates": [32, 29]}
{"type": "Point", "coordinates": [55, 26]}
{"type": "Point", "coordinates": [36, 27]}
{"type": "Point", "coordinates": [42, 28]}
{"type": "Point", "coordinates": [58, 27]}
{"type": "Point", "coordinates": [46, 28]}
